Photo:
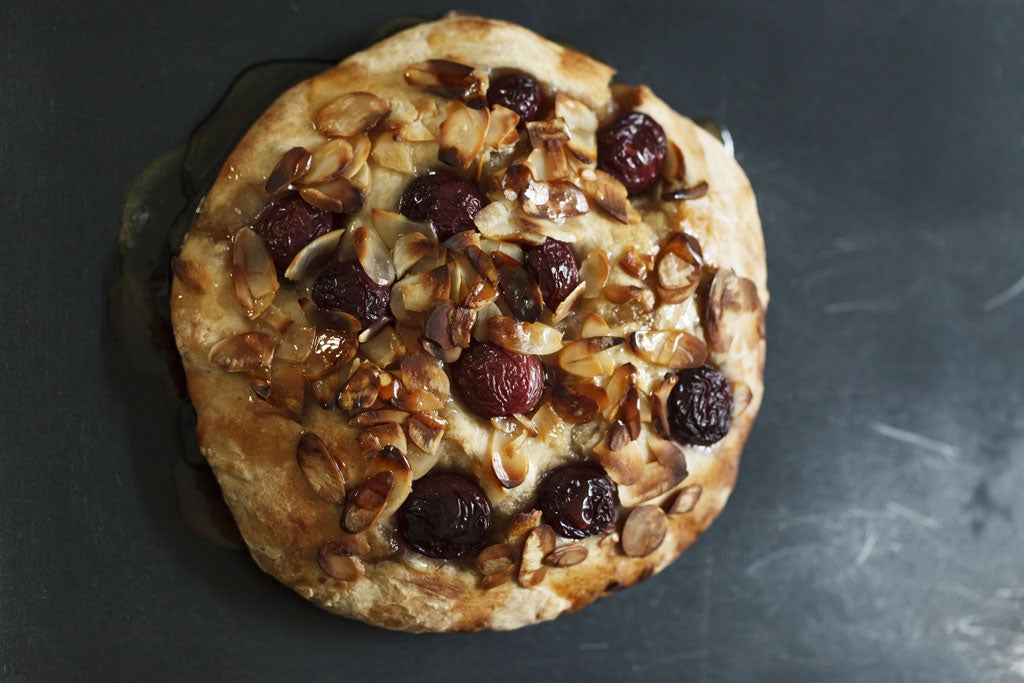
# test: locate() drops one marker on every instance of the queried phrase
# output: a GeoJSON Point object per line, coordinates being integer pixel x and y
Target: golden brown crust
{"type": "Point", "coordinates": [253, 451]}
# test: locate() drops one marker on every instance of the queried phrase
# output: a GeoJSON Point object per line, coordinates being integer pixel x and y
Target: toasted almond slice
{"type": "Point", "coordinates": [328, 161]}
{"type": "Point", "coordinates": [425, 431]}
{"type": "Point", "coordinates": [625, 428]}
{"type": "Point", "coordinates": [669, 455]}
{"type": "Point", "coordinates": [335, 320]}
{"type": "Point", "coordinates": [313, 255]}
{"type": "Point", "coordinates": [243, 352]}
{"type": "Point", "coordinates": [659, 404]}
{"type": "Point", "coordinates": [366, 503]}
{"type": "Point", "coordinates": [679, 266]}
{"type": "Point", "coordinates": [687, 500]}
{"type": "Point", "coordinates": [594, 271]}
{"type": "Point", "coordinates": [695, 192]}
{"type": "Point", "coordinates": [351, 114]}
{"type": "Point", "coordinates": [577, 401]}
{"type": "Point", "coordinates": [191, 275]}
{"type": "Point", "coordinates": [621, 381]}
{"type": "Point", "coordinates": [502, 131]}
{"type": "Point", "coordinates": [394, 155]}
{"type": "Point", "coordinates": [377, 417]}
{"type": "Point", "coordinates": [421, 372]}
{"type": "Point", "coordinates": [612, 196]}
{"type": "Point", "coordinates": [539, 544]}
{"type": "Point", "coordinates": [673, 170]}
{"type": "Point", "coordinates": [423, 291]}
{"type": "Point", "coordinates": [644, 531]}
{"type": "Point", "coordinates": [361, 390]}
{"type": "Point", "coordinates": [520, 292]}
{"type": "Point", "coordinates": [361, 147]}
{"type": "Point", "coordinates": [335, 561]}
{"type": "Point", "coordinates": [732, 307]}
{"type": "Point", "coordinates": [293, 165]}
{"type": "Point", "coordinates": [391, 226]}
{"type": "Point", "coordinates": [594, 325]}
{"type": "Point", "coordinates": [625, 466]}
{"type": "Point", "coordinates": [410, 249]}
{"type": "Point", "coordinates": [620, 294]}
{"type": "Point", "coordinates": [403, 112]}
{"type": "Point", "coordinates": [391, 460]}
{"type": "Point", "coordinates": [656, 480]}
{"type": "Point", "coordinates": [497, 559]}
{"type": "Point", "coordinates": [449, 79]}
{"type": "Point", "coordinates": [581, 121]}
{"type": "Point", "coordinates": [338, 195]}
{"type": "Point", "coordinates": [537, 230]}
{"type": "Point", "coordinates": [508, 459]}
{"type": "Point", "coordinates": [462, 134]}
{"type": "Point", "coordinates": [384, 348]}
{"type": "Point", "coordinates": [569, 302]}
{"type": "Point", "coordinates": [331, 350]}
{"type": "Point", "coordinates": [373, 256]}
{"type": "Point", "coordinates": [582, 358]}
{"type": "Point", "coordinates": [496, 221]}
{"type": "Point", "coordinates": [635, 263]}
{"type": "Point", "coordinates": [526, 338]}
{"type": "Point", "coordinates": [253, 273]}
{"type": "Point", "coordinates": [297, 343]}
{"type": "Point", "coordinates": [320, 468]}
{"type": "Point", "coordinates": [416, 131]}
{"type": "Point", "coordinates": [287, 391]}
{"type": "Point", "coordinates": [567, 555]}
{"type": "Point", "coordinates": [669, 348]}
{"type": "Point", "coordinates": [376, 438]}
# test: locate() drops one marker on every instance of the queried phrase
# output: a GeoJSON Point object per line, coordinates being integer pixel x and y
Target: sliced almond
{"type": "Point", "coordinates": [384, 348]}
{"type": "Point", "coordinates": [191, 275]}
{"type": "Point", "coordinates": [496, 221]}
{"type": "Point", "coordinates": [331, 350]}
{"type": "Point", "coordinates": [659, 404]}
{"type": "Point", "coordinates": [581, 121]}
{"type": "Point", "coordinates": [535, 230]}
{"type": "Point", "coordinates": [373, 256]}
{"type": "Point", "coordinates": [539, 544]}
{"type": "Point", "coordinates": [679, 268]}
{"type": "Point", "coordinates": [508, 459]}
{"type": "Point", "coordinates": [423, 291]}
{"type": "Point", "coordinates": [585, 358]}
{"type": "Point", "coordinates": [320, 468]}
{"type": "Point", "coordinates": [594, 271]}
{"type": "Point", "coordinates": [621, 381]}
{"type": "Point", "coordinates": [338, 195]}
{"type": "Point", "coordinates": [362, 389]}
{"type": "Point", "coordinates": [336, 562]}
{"type": "Point", "coordinates": [625, 428]}
{"type": "Point", "coordinates": [520, 292]}
{"type": "Point", "coordinates": [253, 273]}
{"type": "Point", "coordinates": [356, 169]}
{"type": "Point", "coordinates": [314, 255]}
{"type": "Point", "coordinates": [378, 417]}
{"type": "Point", "coordinates": [525, 338]}
{"type": "Point", "coordinates": [612, 196]}
{"type": "Point", "coordinates": [673, 170]}
{"type": "Point", "coordinates": [635, 263]}
{"type": "Point", "coordinates": [425, 431]}
{"type": "Point", "coordinates": [687, 500]}
{"type": "Point", "coordinates": [297, 343]}
{"type": "Point", "coordinates": [410, 249]}
{"type": "Point", "coordinates": [243, 352]}
{"type": "Point", "coordinates": [293, 165]}
{"type": "Point", "coordinates": [416, 131]}
{"type": "Point", "coordinates": [521, 524]}
{"type": "Point", "coordinates": [620, 294]}
{"type": "Point", "coordinates": [567, 555]}
{"type": "Point", "coordinates": [732, 309]}
{"type": "Point", "coordinates": [568, 303]}
{"type": "Point", "coordinates": [578, 401]}
{"type": "Point", "coordinates": [328, 161]}
{"type": "Point", "coordinates": [548, 138]}
{"type": "Point", "coordinates": [378, 437]}
{"type": "Point", "coordinates": [421, 372]}
{"type": "Point", "coordinates": [449, 79]}
{"type": "Point", "coordinates": [644, 531]}
{"type": "Point", "coordinates": [462, 135]}
{"type": "Point", "coordinates": [394, 155]}
{"type": "Point", "coordinates": [366, 503]}
{"type": "Point", "coordinates": [392, 226]}
{"type": "Point", "coordinates": [696, 191]}
{"type": "Point", "coordinates": [351, 114]}
{"type": "Point", "coordinates": [497, 559]}
{"type": "Point", "coordinates": [625, 466]}
{"type": "Point", "coordinates": [594, 325]}
{"type": "Point", "coordinates": [403, 112]}
{"type": "Point", "coordinates": [335, 320]}
{"type": "Point", "coordinates": [669, 348]}
{"type": "Point", "coordinates": [656, 480]}
{"type": "Point", "coordinates": [286, 393]}
{"type": "Point", "coordinates": [392, 461]}
{"type": "Point", "coordinates": [502, 131]}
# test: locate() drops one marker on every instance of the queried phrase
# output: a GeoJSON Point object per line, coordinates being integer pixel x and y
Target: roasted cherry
{"type": "Point", "coordinates": [577, 501]}
{"type": "Point", "coordinates": [517, 91]}
{"type": "Point", "coordinates": [632, 148]}
{"type": "Point", "coordinates": [494, 382]}
{"type": "Point", "coordinates": [445, 516]}
{"type": "Point", "coordinates": [345, 286]}
{"type": "Point", "coordinates": [288, 225]}
{"type": "Point", "coordinates": [555, 270]}
{"type": "Point", "coordinates": [447, 202]}
{"type": "Point", "coordinates": [700, 406]}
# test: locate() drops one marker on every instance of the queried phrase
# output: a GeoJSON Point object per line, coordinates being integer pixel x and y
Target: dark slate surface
{"type": "Point", "coordinates": [876, 531]}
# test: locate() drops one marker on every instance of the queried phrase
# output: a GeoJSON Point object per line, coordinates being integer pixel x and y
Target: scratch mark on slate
{"type": "Point", "coordinates": [1015, 290]}
{"type": "Point", "coordinates": [894, 508]}
{"type": "Point", "coordinates": [915, 439]}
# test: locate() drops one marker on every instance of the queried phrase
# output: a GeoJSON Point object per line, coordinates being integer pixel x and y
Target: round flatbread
{"type": "Point", "coordinates": [390, 395]}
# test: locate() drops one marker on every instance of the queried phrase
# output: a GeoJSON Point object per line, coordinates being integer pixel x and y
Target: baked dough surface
{"type": "Point", "coordinates": [253, 451]}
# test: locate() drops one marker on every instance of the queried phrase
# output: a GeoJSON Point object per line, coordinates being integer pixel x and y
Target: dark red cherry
{"type": "Point", "coordinates": [447, 202]}
{"type": "Point", "coordinates": [577, 501]}
{"type": "Point", "coordinates": [700, 406]}
{"type": "Point", "coordinates": [554, 268]}
{"type": "Point", "coordinates": [288, 225]}
{"type": "Point", "coordinates": [445, 516]}
{"type": "Point", "coordinates": [517, 91]}
{"type": "Point", "coordinates": [494, 382]}
{"type": "Point", "coordinates": [632, 148]}
{"type": "Point", "coordinates": [345, 286]}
